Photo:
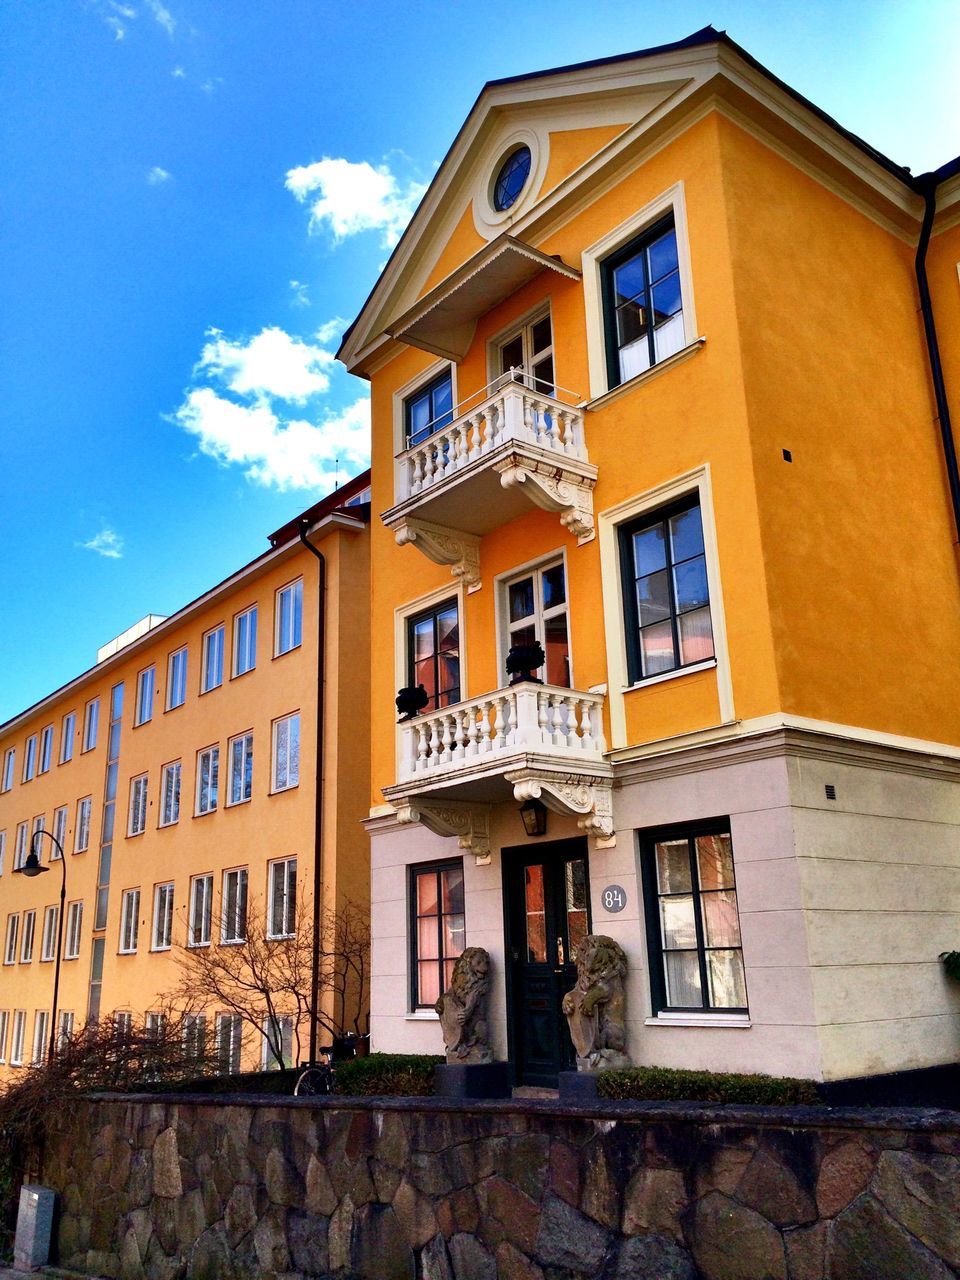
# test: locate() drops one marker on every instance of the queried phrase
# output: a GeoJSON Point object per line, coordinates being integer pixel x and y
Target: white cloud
{"type": "Point", "coordinates": [162, 15]}
{"type": "Point", "coordinates": [273, 364]}
{"type": "Point", "coordinates": [301, 293]}
{"type": "Point", "coordinates": [348, 197]}
{"type": "Point", "coordinates": [331, 331]}
{"type": "Point", "coordinates": [178, 73]}
{"type": "Point", "coordinates": [157, 176]}
{"type": "Point", "coordinates": [107, 543]}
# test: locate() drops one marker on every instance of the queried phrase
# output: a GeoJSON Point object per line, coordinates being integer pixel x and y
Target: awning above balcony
{"type": "Point", "coordinates": [444, 320]}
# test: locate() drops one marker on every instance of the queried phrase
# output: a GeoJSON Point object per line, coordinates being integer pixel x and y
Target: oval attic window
{"type": "Point", "coordinates": [512, 176]}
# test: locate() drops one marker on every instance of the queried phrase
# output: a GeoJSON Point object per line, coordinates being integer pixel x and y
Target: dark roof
{"type": "Point", "coordinates": [332, 502]}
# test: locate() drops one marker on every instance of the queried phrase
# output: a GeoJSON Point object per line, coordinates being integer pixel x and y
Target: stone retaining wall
{"type": "Point", "coordinates": [421, 1189]}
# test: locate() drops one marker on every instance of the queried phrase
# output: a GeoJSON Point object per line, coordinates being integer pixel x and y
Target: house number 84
{"type": "Point", "coordinates": [613, 897]}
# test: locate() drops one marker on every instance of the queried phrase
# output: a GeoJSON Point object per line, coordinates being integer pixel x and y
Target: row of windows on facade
{"type": "Point", "coordinates": [284, 774]}
{"type": "Point", "coordinates": [20, 938]}
{"type": "Point", "coordinates": [38, 748]}
{"type": "Point", "coordinates": [277, 1033]}
{"type": "Point", "coordinates": [690, 900]}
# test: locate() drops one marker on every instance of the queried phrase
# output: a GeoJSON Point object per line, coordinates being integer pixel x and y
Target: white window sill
{"type": "Point", "coordinates": [661, 366]}
{"type": "Point", "coordinates": [708, 665]}
{"type": "Point", "coordinates": [730, 1020]}
{"type": "Point", "coordinates": [423, 1015]}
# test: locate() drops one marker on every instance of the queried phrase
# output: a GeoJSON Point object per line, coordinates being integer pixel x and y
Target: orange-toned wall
{"type": "Point", "coordinates": [943, 273]}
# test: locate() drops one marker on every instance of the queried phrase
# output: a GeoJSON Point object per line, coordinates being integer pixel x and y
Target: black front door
{"type": "Point", "coordinates": [548, 913]}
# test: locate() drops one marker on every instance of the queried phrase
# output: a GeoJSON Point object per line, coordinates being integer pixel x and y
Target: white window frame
{"type": "Point", "coordinates": [522, 328]}
{"type": "Point", "coordinates": [170, 813]}
{"type": "Point", "coordinates": [19, 1036]}
{"type": "Point", "coordinates": [39, 826]}
{"type": "Point", "coordinates": [123, 1023]}
{"type": "Point", "coordinates": [81, 841]}
{"type": "Point", "coordinates": [248, 651]}
{"type": "Point", "coordinates": [154, 1023]}
{"type": "Point", "coordinates": [245, 742]}
{"type": "Point", "coordinates": [213, 784]}
{"type": "Point", "coordinates": [59, 832]}
{"type": "Point", "coordinates": [407, 392]}
{"type": "Point", "coordinates": [137, 808]}
{"type": "Point", "coordinates": [177, 687]}
{"type": "Point", "coordinates": [48, 937]}
{"type": "Point", "coordinates": [161, 935]}
{"type": "Point", "coordinates": [283, 870]}
{"type": "Point", "coordinates": [4, 1032]}
{"type": "Point", "coordinates": [9, 768]}
{"type": "Point", "coordinates": [195, 1034]}
{"type": "Point", "coordinates": [20, 846]}
{"type": "Point", "coordinates": [91, 725]}
{"type": "Point", "coordinates": [129, 922]}
{"type": "Point", "coordinates": [28, 934]}
{"type": "Point", "coordinates": [3, 851]}
{"type": "Point", "coordinates": [146, 686]}
{"type": "Point", "coordinates": [71, 950]}
{"type": "Point", "coordinates": [68, 727]}
{"type": "Point", "coordinates": [280, 641]}
{"type": "Point", "coordinates": [228, 1063]}
{"type": "Point", "coordinates": [201, 904]}
{"type": "Point", "coordinates": [45, 751]}
{"type": "Point", "coordinates": [233, 927]}
{"type": "Point", "coordinates": [211, 659]}
{"type": "Point", "coordinates": [41, 1036]}
{"type": "Point", "coordinates": [291, 757]}
{"type": "Point", "coordinates": [267, 1060]}
{"type": "Point", "coordinates": [29, 758]}
{"type": "Point", "coordinates": [502, 583]}
{"type": "Point", "coordinates": [11, 938]}
{"type": "Point", "coordinates": [65, 1022]}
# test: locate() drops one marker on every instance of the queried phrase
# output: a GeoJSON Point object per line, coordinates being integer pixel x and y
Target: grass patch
{"type": "Point", "coordinates": [664, 1084]}
{"type": "Point", "coordinates": [405, 1075]}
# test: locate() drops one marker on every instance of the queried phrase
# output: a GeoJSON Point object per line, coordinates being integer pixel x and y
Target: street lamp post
{"type": "Point", "coordinates": [33, 867]}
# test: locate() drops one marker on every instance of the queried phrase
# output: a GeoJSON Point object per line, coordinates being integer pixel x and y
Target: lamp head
{"type": "Point", "coordinates": [533, 815]}
{"type": "Point", "coordinates": [32, 866]}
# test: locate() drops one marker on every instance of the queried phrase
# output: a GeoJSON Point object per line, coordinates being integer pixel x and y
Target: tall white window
{"type": "Point", "coordinates": [82, 835]}
{"type": "Point", "coordinates": [195, 1035]}
{"type": "Point", "coordinates": [177, 679]}
{"type": "Point", "coordinates": [10, 944]}
{"type": "Point", "coordinates": [208, 775]}
{"type": "Point", "coordinates": [41, 1034]}
{"type": "Point", "coordinates": [65, 1029]}
{"type": "Point", "coordinates": [27, 936]}
{"type": "Point", "coordinates": [59, 832]}
{"type": "Point", "coordinates": [137, 812]}
{"type": "Point", "coordinates": [68, 729]}
{"type": "Point", "coordinates": [19, 1035]}
{"type": "Point", "coordinates": [36, 845]}
{"type": "Point", "coordinates": [146, 681]}
{"type": "Point", "coordinates": [20, 846]}
{"type": "Point", "coordinates": [241, 768]}
{"type": "Point", "coordinates": [154, 1024]}
{"type": "Point", "coordinates": [286, 753]}
{"type": "Point", "coordinates": [234, 909]}
{"type": "Point", "coordinates": [170, 794]}
{"type": "Point", "coordinates": [3, 850]}
{"type": "Point", "coordinates": [9, 766]}
{"type": "Point", "coordinates": [201, 911]}
{"type": "Point", "coordinates": [212, 673]}
{"type": "Point", "coordinates": [123, 1023]}
{"type": "Point", "coordinates": [282, 907]}
{"type": "Point", "coordinates": [48, 940]}
{"type": "Point", "coordinates": [30, 758]}
{"type": "Point", "coordinates": [46, 749]}
{"type": "Point", "coordinates": [91, 723]}
{"type": "Point", "coordinates": [229, 1042]}
{"type": "Point", "coordinates": [289, 618]}
{"type": "Point", "coordinates": [245, 641]}
{"type": "Point", "coordinates": [71, 950]}
{"type": "Point", "coordinates": [535, 605]}
{"type": "Point", "coordinates": [4, 1032]}
{"type": "Point", "coordinates": [129, 921]}
{"type": "Point", "coordinates": [277, 1030]}
{"type": "Point", "coordinates": [163, 917]}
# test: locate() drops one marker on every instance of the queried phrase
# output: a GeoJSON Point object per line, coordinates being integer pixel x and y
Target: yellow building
{"type": "Point", "coordinates": [651, 387]}
{"type": "Point", "coordinates": [180, 777]}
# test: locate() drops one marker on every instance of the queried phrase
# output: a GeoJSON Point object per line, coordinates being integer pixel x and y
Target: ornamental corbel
{"type": "Point", "coordinates": [590, 802]}
{"type": "Point", "coordinates": [461, 551]}
{"type": "Point", "coordinates": [553, 488]}
{"type": "Point", "coordinates": [469, 823]}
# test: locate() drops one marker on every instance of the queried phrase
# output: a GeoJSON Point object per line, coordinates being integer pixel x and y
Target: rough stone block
{"type": "Point", "coordinates": [378, 1250]}
{"type": "Point", "coordinates": [731, 1242]}
{"type": "Point", "coordinates": [844, 1172]}
{"type": "Point", "coordinates": [654, 1201]}
{"type": "Point", "coordinates": [653, 1258]}
{"type": "Point", "coordinates": [307, 1242]}
{"type": "Point", "coordinates": [166, 1165]}
{"type": "Point", "coordinates": [568, 1239]}
{"type": "Point", "coordinates": [923, 1193]}
{"type": "Point", "coordinates": [772, 1189]}
{"type": "Point", "coordinates": [34, 1227]}
{"type": "Point", "coordinates": [471, 1261]}
{"type": "Point", "coordinates": [866, 1244]}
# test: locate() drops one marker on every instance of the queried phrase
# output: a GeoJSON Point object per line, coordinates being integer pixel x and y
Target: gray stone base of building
{"type": "Point", "coordinates": [474, 1080]}
{"type": "Point", "coordinates": [578, 1086]}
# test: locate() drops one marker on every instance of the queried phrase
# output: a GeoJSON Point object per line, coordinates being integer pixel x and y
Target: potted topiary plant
{"type": "Point", "coordinates": [523, 660]}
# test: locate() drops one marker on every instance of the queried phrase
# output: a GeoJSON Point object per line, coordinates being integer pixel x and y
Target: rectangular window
{"type": "Point", "coordinates": [528, 355]}
{"type": "Point", "coordinates": [71, 950]}
{"type": "Point", "coordinates": [9, 767]}
{"type": "Point", "coordinates": [277, 1033]}
{"type": "Point", "coordinates": [201, 911]}
{"type": "Point", "coordinates": [68, 729]}
{"type": "Point", "coordinates": [4, 1032]}
{"type": "Point", "coordinates": [429, 409]}
{"type": "Point", "coordinates": [536, 612]}
{"type": "Point", "coordinates": [129, 921]}
{"type": "Point", "coordinates": [19, 1035]}
{"type": "Point", "coordinates": [91, 723]}
{"type": "Point", "coordinates": [208, 774]}
{"type": "Point", "coordinates": [177, 679]}
{"type": "Point", "coordinates": [137, 812]}
{"type": "Point", "coordinates": [282, 906]}
{"type": "Point", "coordinates": [20, 847]}
{"type": "Point", "coordinates": [30, 758]}
{"type": "Point", "coordinates": [642, 307]}
{"type": "Point", "coordinates": [666, 599]}
{"type": "Point", "coordinates": [229, 1042]}
{"type": "Point", "coordinates": [143, 711]}
{"type": "Point", "coordinates": [211, 677]}
{"type": "Point", "coordinates": [433, 654]}
{"type": "Point", "coordinates": [693, 927]}
{"type": "Point", "coordinates": [195, 1035]}
{"type": "Point", "coordinates": [65, 1028]}
{"type": "Point", "coordinates": [154, 1025]}
{"type": "Point", "coordinates": [123, 1024]}
{"type": "Point", "coordinates": [46, 749]}
{"type": "Point", "coordinates": [234, 910]}
{"type": "Point", "coordinates": [27, 935]}
{"type": "Point", "coordinates": [436, 929]}
{"type": "Point", "coordinates": [59, 833]}
{"type": "Point", "coordinates": [240, 754]}
{"type": "Point", "coordinates": [286, 753]}
{"type": "Point", "coordinates": [245, 641]}
{"type": "Point", "coordinates": [48, 942]}
{"type": "Point", "coordinates": [10, 945]}
{"type": "Point", "coordinates": [162, 917]}
{"type": "Point", "coordinates": [170, 794]}
{"type": "Point", "coordinates": [41, 1034]}
{"type": "Point", "coordinates": [82, 837]}
{"type": "Point", "coordinates": [36, 845]}
{"type": "Point", "coordinates": [3, 850]}
{"type": "Point", "coordinates": [289, 619]}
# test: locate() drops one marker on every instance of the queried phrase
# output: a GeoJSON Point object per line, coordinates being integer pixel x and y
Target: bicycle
{"type": "Point", "coordinates": [316, 1079]}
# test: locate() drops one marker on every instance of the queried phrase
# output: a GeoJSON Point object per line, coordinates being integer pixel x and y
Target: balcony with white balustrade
{"type": "Point", "coordinates": [515, 448]}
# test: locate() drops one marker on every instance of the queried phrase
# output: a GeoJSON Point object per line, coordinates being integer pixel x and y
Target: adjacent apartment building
{"type": "Point", "coordinates": [196, 781]}
{"type": "Point", "coordinates": [654, 385]}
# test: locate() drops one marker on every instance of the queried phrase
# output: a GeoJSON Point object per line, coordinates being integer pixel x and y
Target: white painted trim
{"type": "Point", "coordinates": [422, 1015]}
{"type": "Point", "coordinates": [496, 341]}
{"type": "Point", "coordinates": [639, 379]}
{"type": "Point", "coordinates": [708, 665]}
{"type": "Point", "coordinates": [502, 580]}
{"type": "Point", "coordinates": [409, 388]}
{"type": "Point", "coordinates": [608, 522]}
{"type": "Point", "coordinates": [739, 1021]}
{"type": "Point", "coordinates": [400, 615]}
{"type": "Point", "coordinates": [490, 221]}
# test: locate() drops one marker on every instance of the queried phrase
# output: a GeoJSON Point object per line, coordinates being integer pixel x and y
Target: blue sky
{"type": "Point", "coordinates": [196, 195]}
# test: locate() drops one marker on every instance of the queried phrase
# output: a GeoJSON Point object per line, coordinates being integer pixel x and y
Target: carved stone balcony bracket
{"type": "Point", "coordinates": [567, 489]}
{"type": "Point", "coordinates": [461, 551]}
{"type": "Point", "coordinates": [591, 802]}
{"type": "Point", "coordinates": [470, 823]}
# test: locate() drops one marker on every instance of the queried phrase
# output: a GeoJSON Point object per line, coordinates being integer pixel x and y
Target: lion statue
{"type": "Point", "coordinates": [595, 1007]}
{"type": "Point", "coordinates": [463, 1009]}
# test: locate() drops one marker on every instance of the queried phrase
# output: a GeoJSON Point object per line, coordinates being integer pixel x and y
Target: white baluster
{"type": "Point", "coordinates": [463, 445]}
{"type": "Point", "coordinates": [556, 720]}
{"type": "Point", "coordinates": [445, 739]}
{"type": "Point", "coordinates": [428, 466]}
{"type": "Point", "coordinates": [473, 732]}
{"type": "Point", "coordinates": [512, 720]}
{"type": "Point", "coordinates": [422, 746]}
{"type": "Point", "coordinates": [552, 429]}
{"type": "Point", "coordinates": [586, 727]}
{"type": "Point", "coordinates": [598, 734]}
{"type": "Point", "coordinates": [459, 735]}
{"type": "Point", "coordinates": [434, 744]}
{"type": "Point", "coordinates": [543, 704]}
{"type": "Point", "coordinates": [417, 472]}
{"type": "Point", "coordinates": [487, 431]}
{"type": "Point", "coordinates": [498, 723]}
{"type": "Point", "coordinates": [471, 432]}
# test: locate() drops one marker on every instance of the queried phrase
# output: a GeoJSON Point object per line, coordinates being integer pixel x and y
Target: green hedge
{"type": "Point", "coordinates": [662, 1084]}
{"type": "Point", "coordinates": [406, 1075]}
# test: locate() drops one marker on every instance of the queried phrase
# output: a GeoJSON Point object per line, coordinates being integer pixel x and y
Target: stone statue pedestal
{"type": "Point", "coordinates": [578, 1087]}
{"type": "Point", "coordinates": [475, 1080]}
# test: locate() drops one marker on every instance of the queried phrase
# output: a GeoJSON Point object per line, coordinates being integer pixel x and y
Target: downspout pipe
{"type": "Point", "coordinates": [928, 189]}
{"type": "Point", "coordinates": [318, 812]}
